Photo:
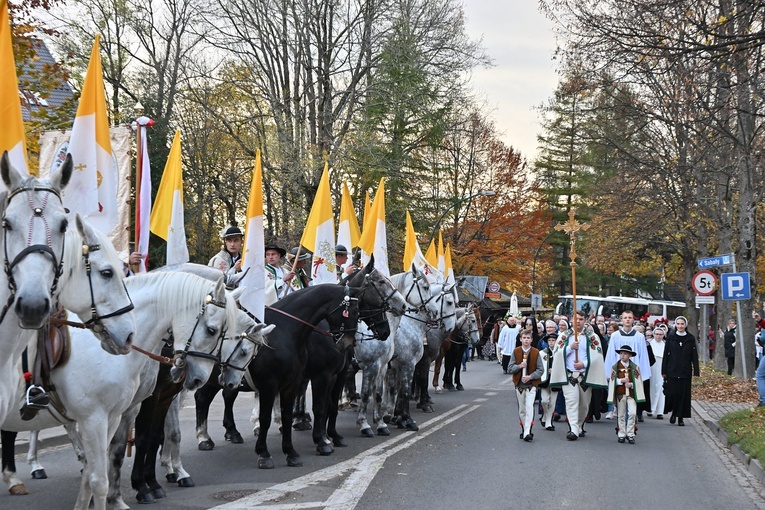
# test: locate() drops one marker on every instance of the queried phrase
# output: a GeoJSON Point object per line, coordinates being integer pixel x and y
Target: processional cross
{"type": "Point", "coordinates": [571, 227]}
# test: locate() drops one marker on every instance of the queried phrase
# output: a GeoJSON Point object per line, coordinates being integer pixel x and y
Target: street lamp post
{"type": "Point", "coordinates": [483, 193]}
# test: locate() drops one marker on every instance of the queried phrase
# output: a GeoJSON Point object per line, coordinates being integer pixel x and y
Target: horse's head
{"type": "Point", "coordinates": [444, 298]}
{"type": "Point", "coordinates": [196, 342]}
{"type": "Point", "coordinates": [415, 288]}
{"type": "Point", "coordinates": [239, 350]}
{"type": "Point", "coordinates": [471, 326]}
{"type": "Point", "coordinates": [378, 296]}
{"type": "Point", "coordinates": [93, 287]}
{"type": "Point", "coordinates": [343, 318]}
{"type": "Point", "coordinates": [34, 227]}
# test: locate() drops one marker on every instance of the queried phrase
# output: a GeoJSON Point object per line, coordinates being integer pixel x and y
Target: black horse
{"type": "Point", "coordinates": [325, 361]}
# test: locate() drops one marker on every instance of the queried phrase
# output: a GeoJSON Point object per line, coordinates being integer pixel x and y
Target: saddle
{"type": "Point", "coordinates": [53, 350]}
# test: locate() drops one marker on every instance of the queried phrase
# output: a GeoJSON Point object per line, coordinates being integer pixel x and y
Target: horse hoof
{"type": "Point", "coordinates": [145, 498]}
{"type": "Point", "coordinates": [19, 490]}
{"type": "Point", "coordinates": [401, 424]}
{"type": "Point", "coordinates": [427, 408]}
{"type": "Point", "coordinates": [39, 474]}
{"type": "Point", "coordinates": [186, 482]}
{"type": "Point", "coordinates": [439, 390]}
{"type": "Point", "coordinates": [451, 388]}
{"type": "Point", "coordinates": [235, 437]}
{"type": "Point", "coordinates": [412, 426]}
{"type": "Point", "coordinates": [302, 426]}
{"type": "Point", "coordinates": [171, 477]}
{"type": "Point", "coordinates": [387, 418]}
{"type": "Point", "coordinates": [294, 462]}
{"type": "Point", "coordinates": [383, 431]}
{"type": "Point", "coordinates": [460, 387]}
{"type": "Point", "coordinates": [367, 433]}
{"type": "Point", "coordinates": [206, 445]}
{"type": "Point", "coordinates": [323, 449]}
{"type": "Point", "coordinates": [158, 493]}
{"type": "Point", "coordinates": [265, 463]}
{"type": "Point", "coordinates": [339, 442]}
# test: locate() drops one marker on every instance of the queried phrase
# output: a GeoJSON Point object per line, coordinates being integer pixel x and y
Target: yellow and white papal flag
{"type": "Point", "coordinates": [374, 237]}
{"type": "Point", "coordinates": [413, 255]}
{"type": "Point", "coordinates": [430, 255]}
{"type": "Point", "coordinates": [12, 136]}
{"type": "Point", "coordinates": [440, 253]}
{"type": "Point", "coordinates": [348, 232]}
{"type": "Point", "coordinates": [319, 234]}
{"type": "Point", "coordinates": [254, 261]}
{"type": "Point", "coordinates": [449, 267]}
{"type": "Point", "coordinates": [92, 190]}
{"type": "Point", "coordinates": [167, 213]}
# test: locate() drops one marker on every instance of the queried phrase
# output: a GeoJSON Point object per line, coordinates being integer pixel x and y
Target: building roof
{"type": "Point", "coordinates": [32, 100]}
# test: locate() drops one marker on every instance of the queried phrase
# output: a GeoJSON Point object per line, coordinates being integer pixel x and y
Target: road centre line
{"type": "Point", "coordinates": [364, 466]}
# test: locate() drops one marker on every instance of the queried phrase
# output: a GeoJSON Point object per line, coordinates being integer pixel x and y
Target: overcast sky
{"type": "Point", "coordinates": [519, 40]}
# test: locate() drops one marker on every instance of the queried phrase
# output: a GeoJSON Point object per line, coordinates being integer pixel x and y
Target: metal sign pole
{"type": "Point", "coordinates": [739, 328]}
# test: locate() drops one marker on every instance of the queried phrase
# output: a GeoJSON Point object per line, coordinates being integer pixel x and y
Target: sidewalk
{"type": "Point", "coordinates": [710, 414]}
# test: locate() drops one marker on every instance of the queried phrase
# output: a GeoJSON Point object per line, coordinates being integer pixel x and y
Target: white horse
{"type": "Point", "coordinates": [194, 310]}
{"type": "Point", "coordinates": [234, 361]}
{"type": "Point", "coordinates": [34, 225]}
{"type": "Point", "coordinates": [236, 354]}
{"type": "Point", "coordinates": [373, 356]}
{"type": "Point", "coordinates": [409, 346]}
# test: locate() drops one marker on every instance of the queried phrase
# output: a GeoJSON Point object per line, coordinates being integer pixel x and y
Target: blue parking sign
{"type": "Point", "coordinates": [735, 286]}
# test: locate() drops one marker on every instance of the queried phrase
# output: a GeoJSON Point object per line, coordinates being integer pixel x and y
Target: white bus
{"type": "Point", "coordinates": [613, 306]}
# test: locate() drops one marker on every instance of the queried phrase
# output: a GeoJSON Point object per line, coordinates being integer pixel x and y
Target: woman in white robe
{"type": "Point", "coordinates": [657, 382]}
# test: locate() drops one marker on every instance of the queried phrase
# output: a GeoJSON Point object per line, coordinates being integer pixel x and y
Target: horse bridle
{"type": "Point", "coordinates": [246, 336]}
{"type": "Point", "coordinates": [464, 336]}
{"type": "Point", "coordinates": [336, 334]}
{"type": "Point", "coordinates": [444, 292]}
{"type": "Point", "coordinates": [95, 322]}
{"type": "Point", "coordinates": [423, 301]}
{"type": "Point", "coordinates": [179, 356]}
{"type": "Point", "coordinates": [377, 315]}
{"type": "Point", "coordinates": [58, 264]}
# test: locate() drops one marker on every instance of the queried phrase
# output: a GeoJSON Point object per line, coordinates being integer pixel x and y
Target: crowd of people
{"type": "Point", "coordinates": [624, 370]}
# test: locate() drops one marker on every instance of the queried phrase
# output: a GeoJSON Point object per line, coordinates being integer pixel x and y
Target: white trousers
{"type": "Point", "coordinates": [577, 404]}
{"type": "Point", "coordinates": [625, 404]}
{"type": "Point", "coordinates": [548, 398]}
{"type": "Point", "coordinates": [526, 408]}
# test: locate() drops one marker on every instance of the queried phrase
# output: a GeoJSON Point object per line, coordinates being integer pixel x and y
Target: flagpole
{"type": "Point", "coordinates": [137, 112]}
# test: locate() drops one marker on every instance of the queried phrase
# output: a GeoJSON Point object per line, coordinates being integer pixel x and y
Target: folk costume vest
{"type": "Point", "coordinates": [637, 391]}
{"type": "Point", "coordinates": [531, 361]}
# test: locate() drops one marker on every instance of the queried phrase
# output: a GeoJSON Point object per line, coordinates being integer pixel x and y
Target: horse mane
{"type": "Point", "coordinates": [73, 242]}
{"type": "Point", "coordinates": [172, 289]}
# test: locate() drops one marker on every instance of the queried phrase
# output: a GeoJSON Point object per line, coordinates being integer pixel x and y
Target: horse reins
{"type": "Point", "coordinates": [345, 303]}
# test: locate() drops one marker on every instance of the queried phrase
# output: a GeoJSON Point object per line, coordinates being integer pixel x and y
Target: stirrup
{"type": "Point", "coordinates": [35, 401]}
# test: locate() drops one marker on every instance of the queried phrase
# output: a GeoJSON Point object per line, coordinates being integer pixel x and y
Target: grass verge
{"type": "Point", "coordinates": [747, 429]}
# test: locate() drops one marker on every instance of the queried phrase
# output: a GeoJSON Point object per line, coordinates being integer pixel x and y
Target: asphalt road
{"type": "Point", "coordinates": [466, 455]}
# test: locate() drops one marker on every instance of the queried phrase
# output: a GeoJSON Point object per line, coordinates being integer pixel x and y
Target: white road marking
{"type": "Point", "coordinates": [480, 399]}
{"type": "Point", "coordinates": [363, 469]}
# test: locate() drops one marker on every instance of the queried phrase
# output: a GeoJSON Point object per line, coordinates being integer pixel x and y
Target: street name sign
{"type": "Point", "coordinates": [717, 261]}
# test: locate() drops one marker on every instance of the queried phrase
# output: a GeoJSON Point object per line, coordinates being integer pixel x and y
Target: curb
{"type": "Point", "coordinates": [752, 465]}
